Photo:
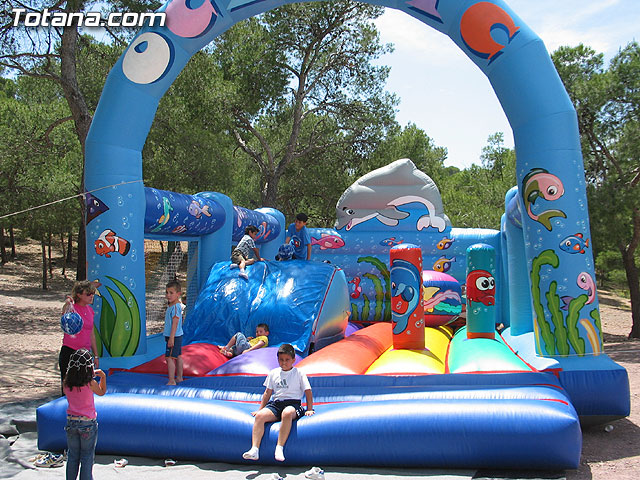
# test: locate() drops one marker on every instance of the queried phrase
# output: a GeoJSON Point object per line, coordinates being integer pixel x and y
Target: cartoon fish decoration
{"type": "Point", "coordinates": [328, 241]}
{"type": "Point", "coordinates": [166, 214]}
{"type": "Point", "coordinates": [357, 289]}
{"type": "Point", "coordinates": [443, 264]}
{"type": "Point", "coordinates": [539, 183]}
{"type": "Point", "coordinates": [574, 243]}
{"type": "Point", "coordinates": [585, 282]}
{"type": "Point", "coordinates": [444, 243]}
{"type": "Point", "coordinates": [263, 233]}
{"type": "Point", "coordinates": [390, 242]}
{"type": "Point", "coordinates": [197, 210]}
{"type": "Point", "coordinates": [94, 206]}
{"type": "Point", "coordinates": [108, 242]}
{"type": "Point", "coordinates": [179, 229]}
{"type": "Point", "coordinates": [481, 287]}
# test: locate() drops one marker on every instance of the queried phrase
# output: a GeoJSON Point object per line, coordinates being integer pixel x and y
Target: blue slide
{"type": "Point", "coordinates": [301, 302]}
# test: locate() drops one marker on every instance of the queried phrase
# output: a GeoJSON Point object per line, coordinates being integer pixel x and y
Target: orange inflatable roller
{"type": "Point", "coordinates": [353, 355]}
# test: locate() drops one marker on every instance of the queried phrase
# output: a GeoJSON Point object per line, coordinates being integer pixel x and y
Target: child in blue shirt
{"type": "Point", "coordinates": [298, 236]}
{"type": "Point", "coordinates": [173, 331]}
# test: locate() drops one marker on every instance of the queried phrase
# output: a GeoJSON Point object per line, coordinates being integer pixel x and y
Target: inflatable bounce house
{"type": "Point", "coordinates": [371, 314]}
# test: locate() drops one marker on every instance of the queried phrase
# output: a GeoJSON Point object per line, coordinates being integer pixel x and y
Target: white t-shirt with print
{"type": "Point", "coordinates": [289, 385]}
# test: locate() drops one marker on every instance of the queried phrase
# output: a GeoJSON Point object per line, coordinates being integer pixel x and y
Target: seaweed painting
{"type": "Point", "coordinates": [120, 324]}
{"type": "Point", "coordinates": [381, 301]}
{"type": "Point", "coordinates": [565, 335]}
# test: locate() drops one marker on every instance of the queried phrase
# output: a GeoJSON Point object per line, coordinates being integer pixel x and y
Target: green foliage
{"type": "Point", "coordinates": [409, 142]}
{"type": "Point", "coordinates": [607, 262]}
{"type": "Point", "coordinates": [618, 279]}
{"type": "Point", "coordinates": [40, 159]}
{"type": "Point", "coordinates": [474, 197]}
{"type": "Point", "coordinates": [189, 148]}
{"type": "Point", "coordinates": [302, 88]}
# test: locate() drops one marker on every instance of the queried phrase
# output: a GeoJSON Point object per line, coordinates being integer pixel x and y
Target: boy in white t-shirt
{"type": "Point", "coordinates": [281, 401]}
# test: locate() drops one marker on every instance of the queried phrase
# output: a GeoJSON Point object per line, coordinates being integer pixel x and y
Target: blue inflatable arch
{"type": "Point", "coordinates": [551, 196]}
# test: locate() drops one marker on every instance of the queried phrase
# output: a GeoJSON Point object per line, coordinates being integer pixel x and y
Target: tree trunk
{"type": "Point", "coordinates": [80, 112]}
{"type": "Point", "coordinates": [633, 281]}
{"type": "Point", "coordinates": [81, 269]}
{"type": "Point", "coordinates": [49, 242]}
{"type": "Point", "coordinates": [69, 78]}
{"type": "Point", "coordinates": [3, 251]}
{"type": "Point", "coordinates": [64, 255]}
{"type": "Point", "coordinates": [70, 248]}
{"type": "Point", "coordinates": [13, 243]}
{"type": "Point", "coordinates": [43, 247]}
{"type": "Point", "coordinates": [270, 190]}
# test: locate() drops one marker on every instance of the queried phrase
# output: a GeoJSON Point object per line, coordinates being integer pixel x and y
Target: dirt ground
{"type": "Point", "coordinates": [30, 338]}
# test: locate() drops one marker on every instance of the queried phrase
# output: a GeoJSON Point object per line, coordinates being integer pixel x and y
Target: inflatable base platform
{"type": "Point", "coordinates": [520, 420]}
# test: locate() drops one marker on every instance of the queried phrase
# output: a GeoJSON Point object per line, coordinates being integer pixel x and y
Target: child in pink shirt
{"type": "Point", "coordinates": [82, 425]}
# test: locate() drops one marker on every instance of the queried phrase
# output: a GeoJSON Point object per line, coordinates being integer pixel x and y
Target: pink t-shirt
{"type": "Point", "coordinates": [80, 401]}
{"type": "Point", "coordinates": [82, 339]}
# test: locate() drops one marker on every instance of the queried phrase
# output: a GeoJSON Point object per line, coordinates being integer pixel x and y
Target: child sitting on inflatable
{"type": "Point", "coordinates": [285, 386]}
{"type": "Point", "coordinates": [240, 344]}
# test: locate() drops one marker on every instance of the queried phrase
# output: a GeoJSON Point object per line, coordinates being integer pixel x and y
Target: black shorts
{"type": "Point", "coordinates": [176, 350]}
{"type": "Point", "coordinates": [63, 362]}
{"type": "Point", "coordinates": [277, 406]}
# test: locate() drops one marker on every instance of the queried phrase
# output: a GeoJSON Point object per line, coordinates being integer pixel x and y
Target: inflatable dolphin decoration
{"type": "Point", "coordinates": [381, 193]}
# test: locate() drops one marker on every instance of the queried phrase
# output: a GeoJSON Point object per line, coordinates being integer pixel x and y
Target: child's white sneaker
{"type": "Point", "coordinates": [234, 265]}
{"type": "Point", "coordinates": [314, 473]}
{"type": "Point", "coordinates": [252, 454]}
{"type": "Point", "coordinates": [243, 274]}
{"type": "Point", "coordinates": [279, 455]}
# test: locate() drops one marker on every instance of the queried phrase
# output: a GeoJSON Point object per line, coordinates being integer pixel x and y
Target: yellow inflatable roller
{"type": "Point", "coordinates": [416, 362]}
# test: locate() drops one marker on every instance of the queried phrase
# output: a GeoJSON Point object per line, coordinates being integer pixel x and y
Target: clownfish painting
{"type": "Point", "coordinates": [108, 242]}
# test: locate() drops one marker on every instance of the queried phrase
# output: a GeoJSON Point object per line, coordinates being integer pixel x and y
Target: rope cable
{"type": "Point", "coordinates": [67, 198]}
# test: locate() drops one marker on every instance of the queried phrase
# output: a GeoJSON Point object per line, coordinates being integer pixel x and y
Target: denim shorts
{"type": "Point", "coordinates": [277, 406]}
{"type": "Point", "coordinates": [241, 345]}
{"type": "Point", "coordinates": [176, 350]}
